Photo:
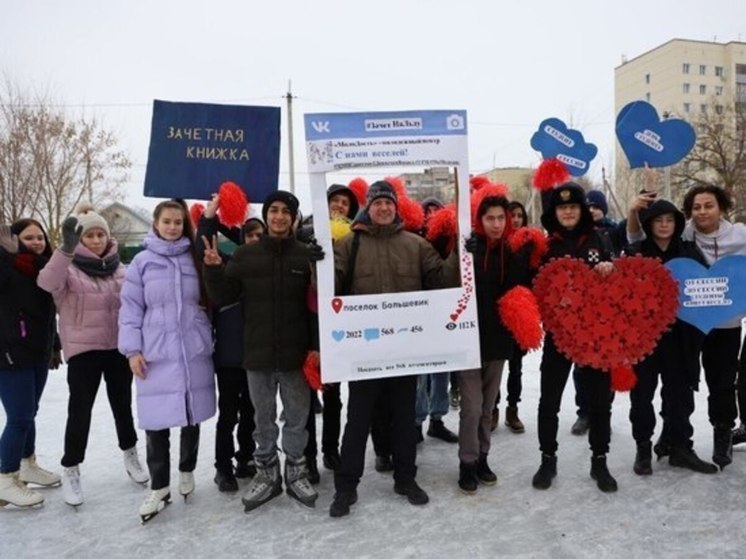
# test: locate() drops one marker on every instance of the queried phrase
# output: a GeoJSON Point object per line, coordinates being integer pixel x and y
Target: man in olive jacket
{"type": "Point", "coordinates": [387, 259]}
{"type": "Point", "coordinates": [272, 277]}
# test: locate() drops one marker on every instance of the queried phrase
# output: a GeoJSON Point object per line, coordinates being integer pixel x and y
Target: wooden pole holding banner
{"type": "Point", "coordinates": [610, 192]}
{"type": "Point", "coordinates": [291, 158]}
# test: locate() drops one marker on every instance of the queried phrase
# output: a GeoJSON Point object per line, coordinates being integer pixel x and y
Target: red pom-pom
{"type": "Point", "coordinates": [411, 213]}
{"type": "Point", "coordinates": [478, 181]}
{"type": "Point", "coordinates": [623, 379]}
{"type": "Point", "coordinates": [552, 172]}
{"type": "Point", "coordinates": [443, 223]}
{"type": "Point", "coordinates": [360, 187]}
{"type": "Point", "coordinates": [519, 312]}
{"type": "Point", "coordinates": [195, 213]}
{"type": "Point", "coordinates": [312, 370]}
{"type": "Point", "coordinates": [233, 204]}
{"type": "Point", "coordinates": [530, 235]}
{"type": "Point", "coordinates": [486, 190]}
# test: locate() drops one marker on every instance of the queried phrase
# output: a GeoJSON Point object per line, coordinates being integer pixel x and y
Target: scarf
{"type": "Point", "coordinates": [29, 264]}
{"type": "Point", "coordinates": [97, 267]}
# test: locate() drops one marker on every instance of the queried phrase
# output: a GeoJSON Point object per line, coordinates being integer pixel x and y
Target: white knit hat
{"type": "Point", "coordinates": [89, 219]}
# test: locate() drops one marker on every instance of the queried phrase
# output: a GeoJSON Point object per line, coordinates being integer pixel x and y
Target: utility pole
{"type": "Point", "coordinates": [291, 157]}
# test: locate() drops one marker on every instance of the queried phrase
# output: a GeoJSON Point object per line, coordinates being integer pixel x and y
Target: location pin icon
{"type": "Point", "coordinates": [337, 304]}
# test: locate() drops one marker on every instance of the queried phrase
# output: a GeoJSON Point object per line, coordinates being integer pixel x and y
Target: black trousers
{"type": "Point", "coordinates": [515, 380]}
{"type": "Point", "coordinates": [677, 396]}
{"type": "Point", "coordinates": [159, 454]}
{"type": "Point", "coordinates": [84, 374]}
{"type": "Point", "coordinates": [380, 424]}
{"type": "Point", "coordinates": [720, 362]}
{"type": "Point", "coordinates": [555, 370]}
{"type": "Point", "coordinates": [330, 428]}
{"type": "Point", "coordinates": [400, 392]}
{"type": "Point", "coordinates": [234, 407]}
{"type": "Point", "coordinates": [741, 384]}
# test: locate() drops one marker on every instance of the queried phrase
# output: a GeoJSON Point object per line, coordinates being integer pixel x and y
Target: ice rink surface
{"type": "Point", "coordinates": [673, 513]}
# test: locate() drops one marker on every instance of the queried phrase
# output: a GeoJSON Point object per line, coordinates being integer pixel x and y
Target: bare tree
{"type": "Point", "coordinates": [50, 161]}
{"type": "Point", "coordinates": [719, 155]}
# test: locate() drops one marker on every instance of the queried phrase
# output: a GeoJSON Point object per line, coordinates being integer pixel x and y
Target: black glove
{"type": "Point", "coordinates": [71, 232]}
{"type": "Point", "coordinates": [56, 360]}
{"type": "Point", "coordinates": [471, 244]}
{"type": "Point", "coordinates": [315, 252]}
{"type": "Point", "coordinates": [8, 240]}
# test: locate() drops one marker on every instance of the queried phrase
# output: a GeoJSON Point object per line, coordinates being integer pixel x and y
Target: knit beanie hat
{"type": "Point", "coordinates": [380, 189]}
{"type": "Point", "coordinates": [598, 199]}
{"type": "Point", "coordinates": [285, 197]}
{"type": "Point", "coordinates": [89, 219]}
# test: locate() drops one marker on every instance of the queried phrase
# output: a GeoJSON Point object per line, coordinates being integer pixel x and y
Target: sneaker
{"type": "Point", "coordinates": [438, 430]}
{"type": "Point", "coordinates": [643, 458]}
{"type": "Point", "coordinates": [186, 484]}
{"type": "Point", "coordinates": [739, 434]}
{"type": "Point", "coordinates": [226, 481]}
{"type": "Point", "coordinates": [341, 504]}
{"type": "Point", "coordinates": [31, 472]}
{"type": "Point", "coordinates": [414, 493]}
{"type": "Point", "coordinates": [133, 466]}
{"type": "Point", "coordinates": [581, 425]}
{"type": "Point", "coordinates": [298, 484]}
{"type": "Point", "coordinates": [151, 506]}
{"type": "Point", "coordinates": [14, 492]}
{"type": "Point", "coordinates": [245, 469]}
{"type": "Point", "coordinates": [264, 486]}
{"type": "Point", "coordinates": [384, 464]}
{"type": "Point", "coordinates": [72, 491]}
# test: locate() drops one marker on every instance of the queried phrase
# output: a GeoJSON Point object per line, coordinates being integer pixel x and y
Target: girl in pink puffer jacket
{"type": "Point", "coordinates": [85, 278]}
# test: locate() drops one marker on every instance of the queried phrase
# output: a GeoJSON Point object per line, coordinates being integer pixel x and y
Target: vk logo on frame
{"type": "Point", "coordinates": [321, 126]}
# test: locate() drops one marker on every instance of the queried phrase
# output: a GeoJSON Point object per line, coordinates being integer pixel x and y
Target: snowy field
{"type": "Point", "coordinates": [673, 513]}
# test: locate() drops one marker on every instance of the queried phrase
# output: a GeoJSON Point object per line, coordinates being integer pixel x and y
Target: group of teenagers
{"type": "Point", "coordinates": [184, 315]}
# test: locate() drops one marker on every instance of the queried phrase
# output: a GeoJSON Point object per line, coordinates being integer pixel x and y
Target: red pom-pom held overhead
{"type": "Point", "coordinates": [552, 172]}
{"type": "Point", "coordinates": [195, 213]}
{"type": "Point", "coordinates": [530, 236]}
{"type": "Point", "coordinates": [233, 204]}
{"type": "Point", "coordinates": [486, 190]}
{"type": "Point", "coordinates": [359, 186]}
{"type": "Point", "coordinates": [478, 182]}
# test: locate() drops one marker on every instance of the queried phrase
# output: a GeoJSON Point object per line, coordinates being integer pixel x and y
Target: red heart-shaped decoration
{"type": "Point", "coordinates": [606, 322]}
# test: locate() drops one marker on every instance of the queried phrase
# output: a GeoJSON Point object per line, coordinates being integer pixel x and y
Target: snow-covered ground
{"type": "Point", "coordinates": [673, 513]}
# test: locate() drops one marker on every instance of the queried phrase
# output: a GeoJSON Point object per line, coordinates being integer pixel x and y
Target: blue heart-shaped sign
{"type": "Point", "coordinates": [338, 335]}
{"type": "Point", "coordinates": [555, 139]}
{"type": "Point", "coordinates": [646, 139]}
{"type": "Point", "coordinates": [710, 297]}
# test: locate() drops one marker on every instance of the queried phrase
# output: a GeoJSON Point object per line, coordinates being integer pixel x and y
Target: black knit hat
{"type": "Point", "coordinates": [658, 208]}
{"type": "Point", "coordinates": [568, 193]}
{"type": "Point", "coordinates": [347, 191]}
{"type": "Point", "coordinates": [285, 197]}
{"type": "Point", "coordinates": [381, 189]}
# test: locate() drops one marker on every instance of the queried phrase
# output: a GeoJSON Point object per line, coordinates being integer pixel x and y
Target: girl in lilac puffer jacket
{"type": "Point", "coordinates": [167, 337]}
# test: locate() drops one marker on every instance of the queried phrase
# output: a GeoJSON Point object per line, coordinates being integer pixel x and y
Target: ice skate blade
{"type": "Point", "coordinates": [3, 504]}
{"type": "Point", "coordinates": [311, 504]}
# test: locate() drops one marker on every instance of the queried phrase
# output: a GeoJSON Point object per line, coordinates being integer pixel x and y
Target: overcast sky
{"type": "Point", "coordinates": [509, 64]}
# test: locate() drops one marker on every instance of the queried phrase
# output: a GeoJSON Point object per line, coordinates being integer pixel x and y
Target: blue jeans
{"type": "Point", "coordinates": [20, 392]}
{"type": "Point", "coordinates": [432, 396]}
